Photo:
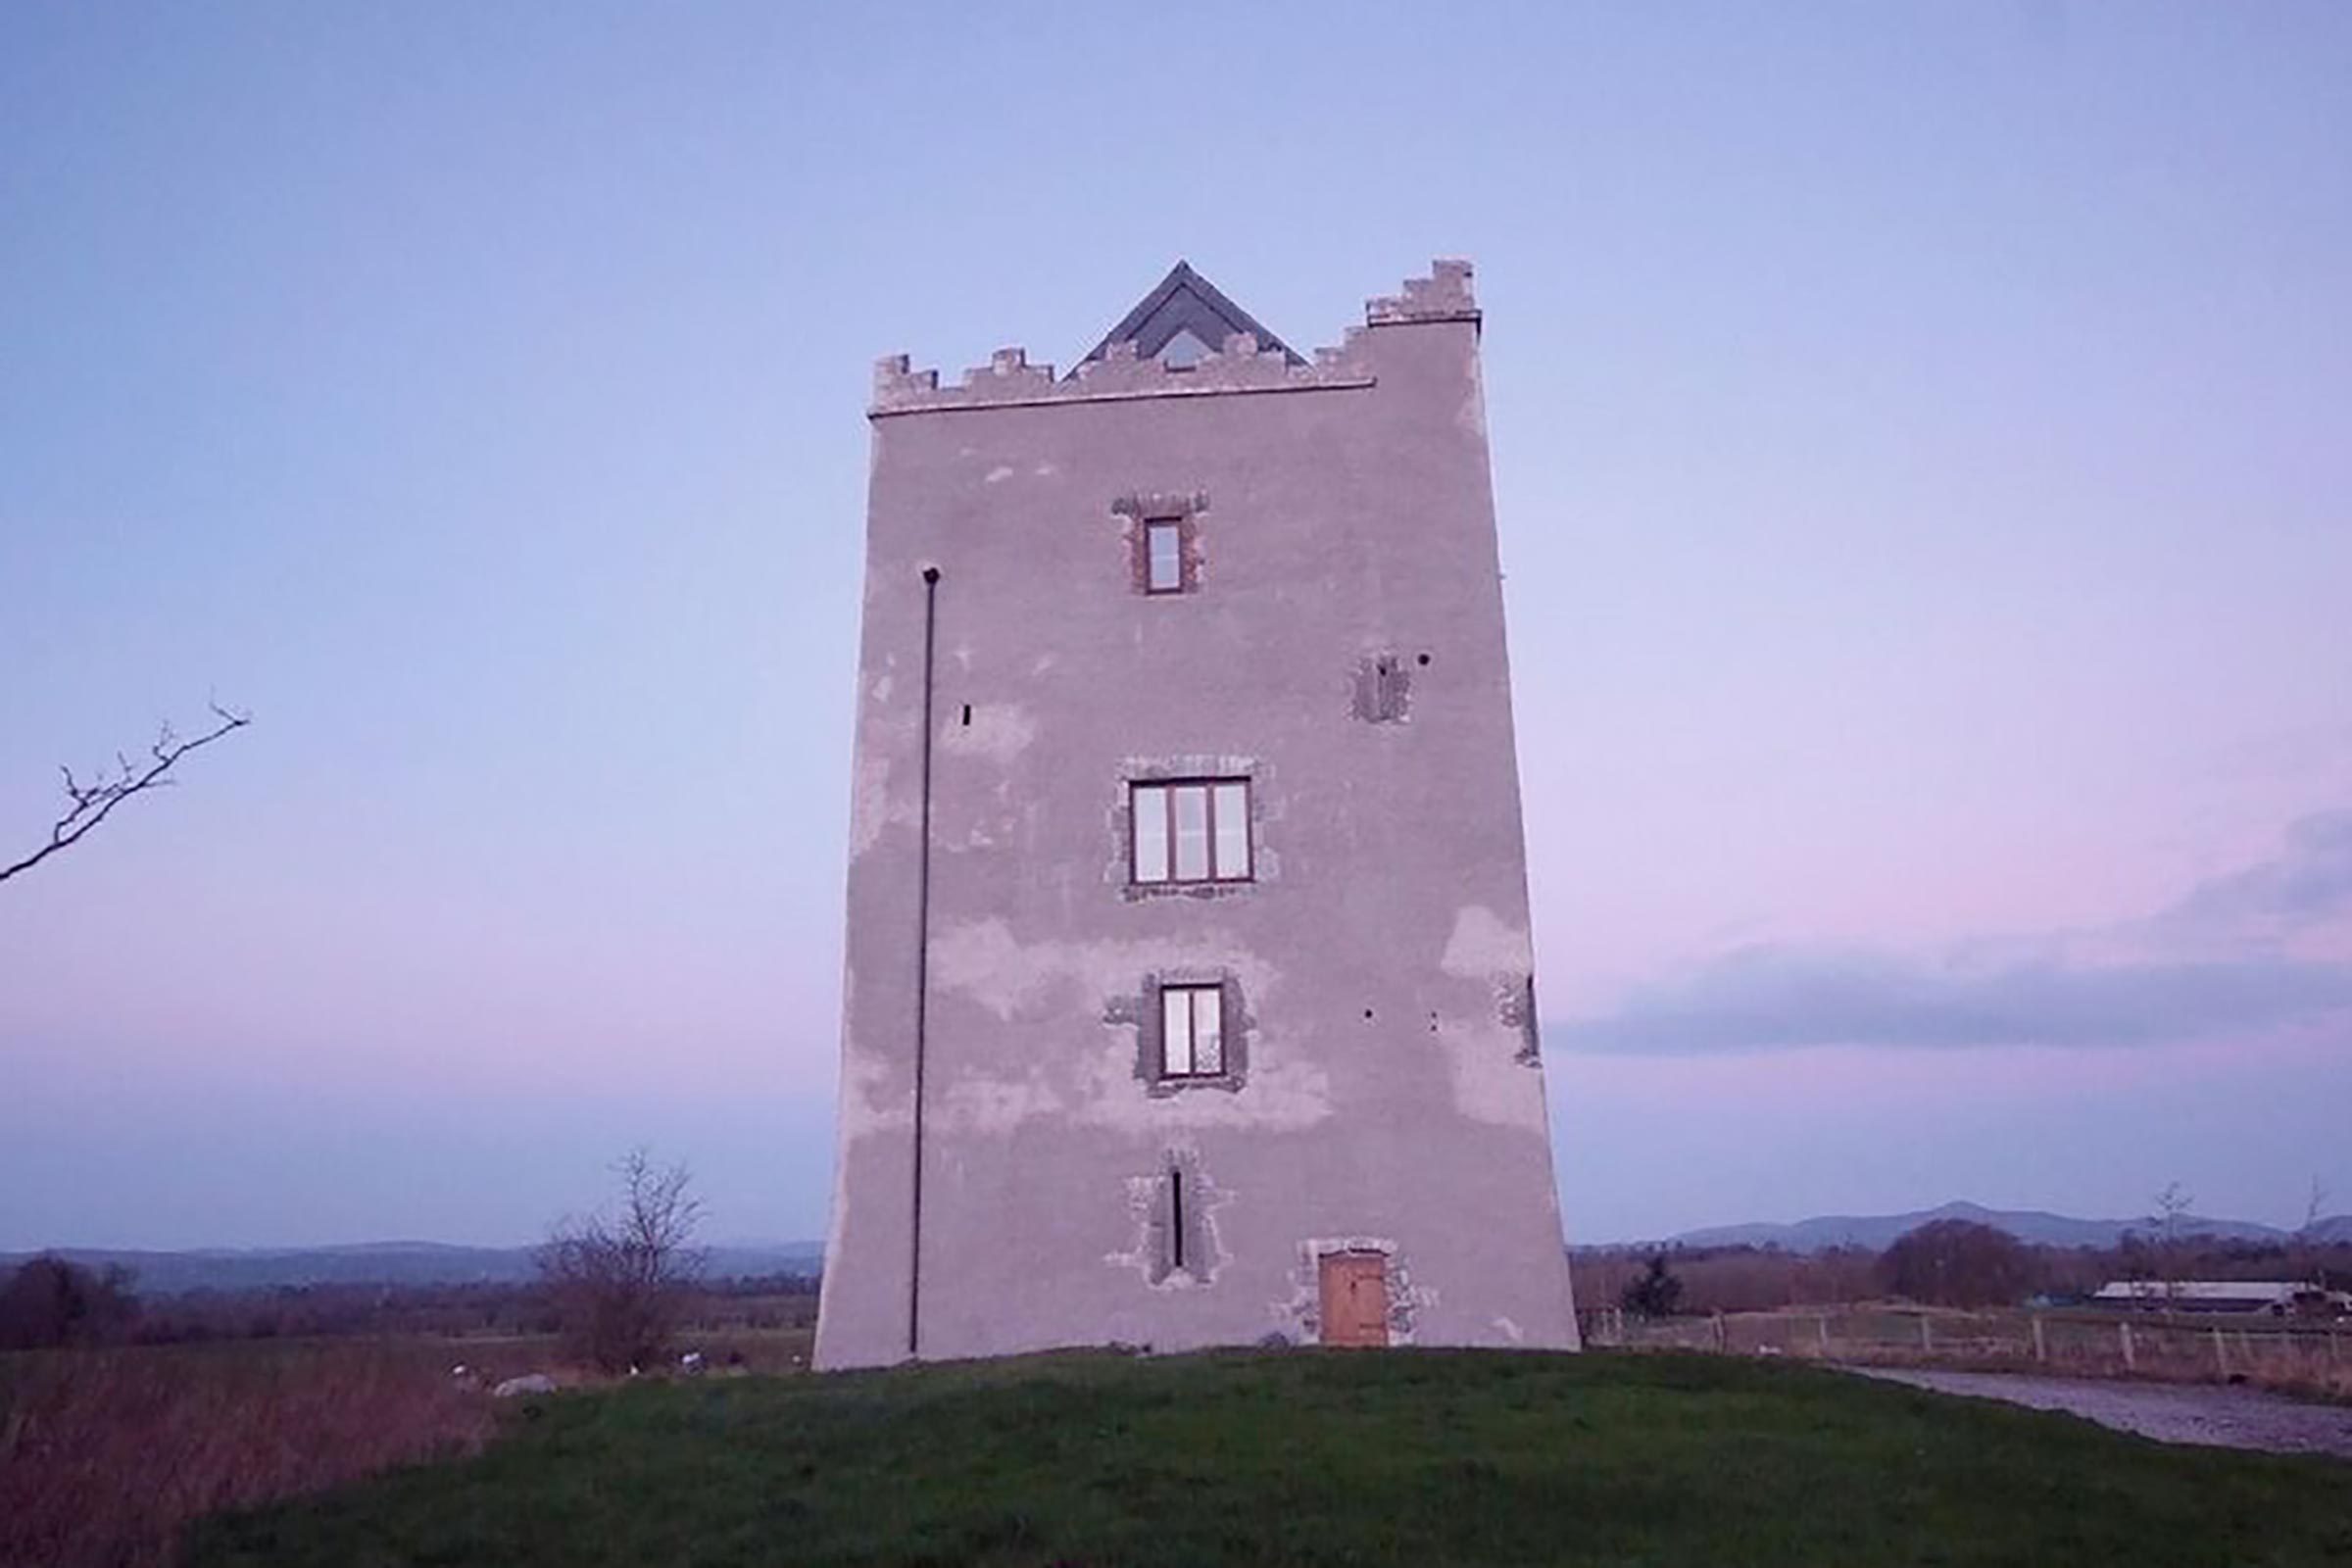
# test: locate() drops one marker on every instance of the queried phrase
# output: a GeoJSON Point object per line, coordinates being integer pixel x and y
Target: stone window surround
{"type": "Point", "coordinates": [1191, 997]}
{"type": "Point", "coordinates": [1143, 508]}
{"type": "Point", "coordinates": [1264, 863]}
{"type": "Point", "coordinates": [1150, 1022]}
{"type": "Point", "coordinates": [1209, 791]}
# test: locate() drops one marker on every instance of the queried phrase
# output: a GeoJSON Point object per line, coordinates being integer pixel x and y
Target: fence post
{"type": "Point", "coordinates": [2221, 1354]}
{"type": "Point", "coordinates": [1723, 1339]}
{"type": "Point", "coordinates": [1927, 1336]}
{"type": "Point", "coordinates": [1821, 1328]}
{"type": "Point", "coordinates": [2131, 1364]}
{"type": "Point", "coordinates": [2041, 1348]}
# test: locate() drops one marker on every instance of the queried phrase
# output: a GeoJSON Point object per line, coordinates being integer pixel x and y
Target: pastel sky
{"type": "Point", "coordinates": [1921, 442]}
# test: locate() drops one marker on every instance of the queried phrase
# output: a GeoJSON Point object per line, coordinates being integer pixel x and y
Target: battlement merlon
{"type": "Point", "coordinates": [1008, 379]}
{"type": "Point", "coordinates": [1443, 296]}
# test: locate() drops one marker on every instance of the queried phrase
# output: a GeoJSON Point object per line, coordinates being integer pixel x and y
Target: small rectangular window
{"type": "Point", "coordinates": [1163, 550]}
{"type": "Point", "coordinates": [1192, 830]}
{"type": "Point", "coordinates": [1192, 1038]}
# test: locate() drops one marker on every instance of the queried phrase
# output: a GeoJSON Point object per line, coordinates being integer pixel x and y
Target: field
{"type": "Point", "coordinates": [1427, 1457]}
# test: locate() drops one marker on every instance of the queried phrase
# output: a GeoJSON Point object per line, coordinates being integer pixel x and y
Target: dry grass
{"type": "Point", "coordinates": [106, 1455]}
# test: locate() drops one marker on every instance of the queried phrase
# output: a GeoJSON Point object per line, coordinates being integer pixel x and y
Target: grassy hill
{"type": "Point", "coordinates": [1302, 1458]}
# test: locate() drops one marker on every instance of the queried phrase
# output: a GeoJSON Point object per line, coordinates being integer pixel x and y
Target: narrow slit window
{"type": "Point", "coordinates": [1189, 830]}
{"type": "Point", "coordinates": [1191, 1031]}
{"type": "Point", "coordinates": [1163, 553]}
{"type": "Point", "coordinates": [1176, 1216]}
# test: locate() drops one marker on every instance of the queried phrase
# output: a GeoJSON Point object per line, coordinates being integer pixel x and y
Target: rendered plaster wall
{"type": "Point", "coordinates": [1339, 515]}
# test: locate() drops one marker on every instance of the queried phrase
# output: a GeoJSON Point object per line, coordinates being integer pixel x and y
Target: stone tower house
{"type": "Point", "coordinates": [1189, 983]}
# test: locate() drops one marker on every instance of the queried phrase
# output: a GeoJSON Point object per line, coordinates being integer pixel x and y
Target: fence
{"type": "Point", "coordinates": [2171, 1347]}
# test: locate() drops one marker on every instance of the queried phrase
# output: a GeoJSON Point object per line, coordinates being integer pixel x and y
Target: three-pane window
{"type": "Point", "coordinates": [1197, 830]}
{"type": "Point", "coordinates": [1164, 556]}
{"type": "Point", "coordinates": [1191, 1031]}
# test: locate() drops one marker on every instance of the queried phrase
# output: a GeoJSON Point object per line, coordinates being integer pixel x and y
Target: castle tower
{"type": "Point", "coordinates": [1189, 993]}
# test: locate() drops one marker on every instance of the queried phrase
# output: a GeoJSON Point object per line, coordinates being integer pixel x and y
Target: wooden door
{"type": "Point", "coordinates": [1355, 1298]}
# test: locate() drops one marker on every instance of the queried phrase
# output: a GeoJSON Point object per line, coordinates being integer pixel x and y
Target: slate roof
{"type": "Point", "coordinates": [1185, 299]}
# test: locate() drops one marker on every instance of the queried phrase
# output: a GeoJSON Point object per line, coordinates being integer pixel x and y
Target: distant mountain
{"type": "Point", "coordinates": [162, 1273]}
{"type": "Point", "coordinates": [1876, 1231]}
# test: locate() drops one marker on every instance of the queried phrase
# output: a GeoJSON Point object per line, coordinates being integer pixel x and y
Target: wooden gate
{"type": "Point", "coordinates": [1355, 1298]}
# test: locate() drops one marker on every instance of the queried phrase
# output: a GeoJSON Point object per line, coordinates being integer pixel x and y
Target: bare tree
{"type": "Point", "coordinates": [2306, 1234]}
{"type": "Point", "coordinates": [621, 1280]}
{"type": "Point", "coordinates": [88, 805]}
{"type": "Point", "coordinates": [2172, 1207]}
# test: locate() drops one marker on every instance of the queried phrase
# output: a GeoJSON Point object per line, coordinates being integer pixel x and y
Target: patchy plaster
{"type": "Point", "coordinates": [978, 1104]}
{"type": "Point", "coordinates": [981, 962]}
{"type": "Point", "coordinates": [1490, 1083]}
{"type": "Point", "coordinates": [998, 731]}
{"type": "Point", "coordinates": [875, 1095]}
{"type": "Point", "coordinates": [1483, 945]}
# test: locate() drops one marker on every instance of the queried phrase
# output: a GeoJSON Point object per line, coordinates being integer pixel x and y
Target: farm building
{"type": "Point", "coordinates": [2276, 1298]}
{"type": "Point", "coordinates": [1190, 992]}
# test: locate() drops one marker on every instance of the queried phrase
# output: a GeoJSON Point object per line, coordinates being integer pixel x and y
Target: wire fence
{"type": "Point", "coordinates": [2176, 1346]}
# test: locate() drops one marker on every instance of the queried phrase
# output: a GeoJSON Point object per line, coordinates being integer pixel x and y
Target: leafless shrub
{"type": "Point", "coordinates": [621, 1282]}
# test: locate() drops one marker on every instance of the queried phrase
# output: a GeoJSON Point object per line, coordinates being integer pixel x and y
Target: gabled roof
{"type": "Point", "coordinates": [1185, 299]}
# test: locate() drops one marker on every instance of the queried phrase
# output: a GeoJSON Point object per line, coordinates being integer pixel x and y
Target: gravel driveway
{"type": "Point", "coordinates": [2168, 1412]}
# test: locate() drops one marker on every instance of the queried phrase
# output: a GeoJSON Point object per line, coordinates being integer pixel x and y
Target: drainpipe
{"type": "Point", "coordinates": [922, 971]}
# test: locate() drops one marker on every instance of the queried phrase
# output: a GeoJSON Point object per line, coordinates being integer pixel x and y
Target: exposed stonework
{"type": "Point", "coordinates": [1383, 689]}
{"type": "Point", "coordinates": [1137, 511]}
{"type": "Point", "coordinates": [1172, 1209]}
{"type": "Point", "coordinates": [1143, 1014]}
{"type": "Point", "coordinates": [1300, 1315]}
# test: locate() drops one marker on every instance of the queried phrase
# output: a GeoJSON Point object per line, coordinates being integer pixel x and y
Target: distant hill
{"type": "Point", "coordinates": [1876, 1231]}
{"type": "Point", "coordinates": [164, 1273]}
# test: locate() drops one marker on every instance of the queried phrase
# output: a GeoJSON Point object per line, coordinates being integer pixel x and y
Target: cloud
{"type": "Point", "coordinates": [2207, 966]}
{"type": "Point", "coordinates": [2310, 884]}
{"type": "Point", "coordinates": [1761, 999]}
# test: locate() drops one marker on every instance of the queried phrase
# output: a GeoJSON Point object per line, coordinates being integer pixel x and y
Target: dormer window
{"type": "Point", "coordinates": [1185, 350]}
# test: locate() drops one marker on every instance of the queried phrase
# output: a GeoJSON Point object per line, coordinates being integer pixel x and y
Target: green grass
{"type": "Point", "coordinates": [1406, 1457]}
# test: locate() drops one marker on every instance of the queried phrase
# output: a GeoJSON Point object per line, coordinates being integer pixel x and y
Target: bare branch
{"type": "Point", "coordinates": [90, 804]}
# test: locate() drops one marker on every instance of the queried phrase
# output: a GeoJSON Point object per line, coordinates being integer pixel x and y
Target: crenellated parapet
{"type": "Point", "coordinates": [1443, 296]}
{"type": "Point", "coordinates": [1240, 364]}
